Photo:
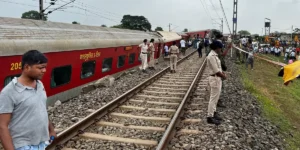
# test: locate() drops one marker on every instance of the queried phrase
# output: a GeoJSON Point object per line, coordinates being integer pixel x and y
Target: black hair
{"type": "Point", "coordinates": [152, 40]}
{"type": "Point", "coordinates": [33, 57]}
{"type": "Point", "coordinates": [145, 40]}
{"type": "Point", "coordinates": [215, 45]}
{"type": "Point", "coordinates": [174, 43]}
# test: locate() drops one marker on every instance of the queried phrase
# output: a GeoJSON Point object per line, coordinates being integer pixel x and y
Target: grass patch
{"type": "Point", "coordinates": [272, 57]}
{"type": "Point", "coordinates": [280, 104]}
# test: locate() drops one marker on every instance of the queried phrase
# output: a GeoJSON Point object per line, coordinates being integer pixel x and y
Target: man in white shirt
{"type": "Point", "coordinates": [244, 42]}
{"type": "Point", "coordinates": [166, 48]}
{"type": "Point", "coordinates": [144, 55]}
{"type": "Point", "coordinates": [182, 46]}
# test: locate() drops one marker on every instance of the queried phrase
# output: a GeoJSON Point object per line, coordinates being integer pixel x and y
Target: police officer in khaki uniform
{"type": "Point", "coordinates": [144, 55]}
{"type": "Point", "coordinates": [152, 53]}
{"type": "Point", "coordinates": [174, 52]}
{"type": "Point", "coordinates": [215, 81]}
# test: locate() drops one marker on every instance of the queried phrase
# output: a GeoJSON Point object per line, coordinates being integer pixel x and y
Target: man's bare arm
{"type": "Point", "coordinates": [51, 129]}
{"type": "Point", "coordinates": [5, 136]}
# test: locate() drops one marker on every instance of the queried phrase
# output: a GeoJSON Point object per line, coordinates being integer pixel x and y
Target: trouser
{"type": "Point", "coordinates": [144, 64]}
{"type": "Point", "coordinates": [166, 54]}
{"type": "Point", "coordinates": [173, 61]}
{"type": "Point", "coordinates": [182, 49]}
{"type": "Point", "coordinates": [250, 61]}
{"type": "Point", "coordinates": [41, 146]}
{"type": "Point", "coordinates": [152, 61]}
{"type": "Point", "coordinates": [215, 84]}
{"type": "Point", "coordinates": [200, 52]}
{"type": "Point", "coordinates": [207, 50]}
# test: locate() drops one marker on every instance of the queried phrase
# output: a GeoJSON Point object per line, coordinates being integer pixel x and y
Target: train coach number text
{"type": "Point", "coordinates": [15, 66]}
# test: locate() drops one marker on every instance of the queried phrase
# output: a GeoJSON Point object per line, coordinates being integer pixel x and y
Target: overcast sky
{"type": "Point", "coordinates": [191, 14]}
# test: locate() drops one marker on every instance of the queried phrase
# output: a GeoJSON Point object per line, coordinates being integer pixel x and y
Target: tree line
{"type": "Point", "coordinates": [128, 22]}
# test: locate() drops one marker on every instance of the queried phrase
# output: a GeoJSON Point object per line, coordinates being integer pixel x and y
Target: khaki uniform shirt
{"type": "Point", "coordinates": [213, 63]}
{"type": "Point", "coordinates": [174, 50]}
{"type": "Point", "coordinates": [151, 47]}
{"type": "Point", "coordinates": [144, 48]}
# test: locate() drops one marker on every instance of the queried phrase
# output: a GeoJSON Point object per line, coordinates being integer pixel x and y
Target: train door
{"type": "Point", "coordinates": [158, 51]}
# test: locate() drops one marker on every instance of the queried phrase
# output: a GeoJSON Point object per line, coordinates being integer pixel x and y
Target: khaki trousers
{"type": "Point", "coordinates": [144, 64]}
{"type": "Point", "coordinates": [215, 84]}
{"type": "Point", "coordinates": [152, 61]}
{"type": "Point", "coordinates": [173, 61]}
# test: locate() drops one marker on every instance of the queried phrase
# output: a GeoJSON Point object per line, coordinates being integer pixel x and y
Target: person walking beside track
{"type": "Point", "coordinates": [174, 52]}
{"type": "Point", "coordinates": [144, 55]}
{"type": "Point", "coordinates": [215, 82]}
{"type": "Point", "coordinates": [152, 53]}
{"type": "Point", "coordinates": [182, 46]}
{"type": "Point", "coordinates": [24, 122]}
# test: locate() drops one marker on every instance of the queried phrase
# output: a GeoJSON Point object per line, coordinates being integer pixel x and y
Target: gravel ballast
{"type": "Point", "coordinates": [243, 127]}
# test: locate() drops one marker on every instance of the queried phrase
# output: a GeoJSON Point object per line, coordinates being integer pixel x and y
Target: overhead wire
{"type": "Point", "coordinates": [24, 4]}
{"type": "Point", "coordinates": [215, 9]}
{"type": "Point", "coordinates": [225, 17]}
{"type": "Point", "coordinates": [206, 11]}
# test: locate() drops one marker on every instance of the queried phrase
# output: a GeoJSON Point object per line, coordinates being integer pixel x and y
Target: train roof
{"type": "Point", "coordinates": [191, 32]}
{"type": "Point", "coordinates": [20, 35]}
{"type": "Point", "coordinates": [182, 33]}
{"type": "Point", "coordinates": [169, 36]}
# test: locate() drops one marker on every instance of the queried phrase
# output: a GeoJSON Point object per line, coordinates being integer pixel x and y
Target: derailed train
{"type": "Point", "coordinates": [78, 54]}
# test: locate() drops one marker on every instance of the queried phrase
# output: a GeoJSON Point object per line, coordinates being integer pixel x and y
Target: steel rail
{"type": "Point", "coordinates": [168, 135]}
{"type": "Point", "coordinates": [78, 128]}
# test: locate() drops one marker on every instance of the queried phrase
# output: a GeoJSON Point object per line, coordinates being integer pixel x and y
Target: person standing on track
{"type": "Point", "coordinates": [174, 52]}
{"type": "Point", "coordinates": [182, 46]}
{"type": "Point", "coordinates": [200, 46]}
{"type": "Point", "coordinates": [215, 82]}
{"type": "Point", "coordinates": [24, 122]}
{"type": "Point", "coordinates": [152, 53]}
{"type": "Point", "coordinates": [144, 55]}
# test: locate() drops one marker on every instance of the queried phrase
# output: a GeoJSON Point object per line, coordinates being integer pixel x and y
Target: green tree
{"type": "Point", "coordinates": [32, 14]}
{"type": "Point", "coordinates": [159, 29]}
{"type": "Point", "coordinates": [103, 25]}
{"type": "Point", "coordinates": [136, 23]}
{"type": "Point", "coordinates": [296, 30]}
{"type": "Point", "coordinates": [75, 22]}
{"type": "Point", "coordinates": [244, 33]}
{"type": "Point", "coordinates": [118, 26]}
{"type": "Point", "coordinates": [185, 30]}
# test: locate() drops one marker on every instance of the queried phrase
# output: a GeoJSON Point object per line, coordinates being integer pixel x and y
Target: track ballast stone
{"type": "Point", "coordinates": [244, 126]}
{"type": "Point", "coordinates": [70, 112]}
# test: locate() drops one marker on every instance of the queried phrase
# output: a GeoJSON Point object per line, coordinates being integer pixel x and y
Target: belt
{"type": "Point", "coordinates": [144, 53]}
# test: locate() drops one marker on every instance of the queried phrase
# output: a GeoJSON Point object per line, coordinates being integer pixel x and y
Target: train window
{"type": "Point", "coordinates": [61, 76]}
{"type": "Point", "coordinates": [107, 64]}
{"type": "Point", "coordinates": [10, 78]}
{"type": "Point", "coordinates": [121, 61]}
{"type": "Point", "coordinates": [88, 69]}
{"type": "Point", "coordinates": [131, 58]}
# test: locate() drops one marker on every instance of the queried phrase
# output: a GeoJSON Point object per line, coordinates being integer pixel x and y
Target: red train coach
{"type": "Point", "coordinates": [201, 33]}
{"type": "Point", "coordinates": [77, 54]}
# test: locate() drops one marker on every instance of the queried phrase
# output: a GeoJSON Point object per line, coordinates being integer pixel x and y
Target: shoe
{"type": "Point", "coordinates": [212, 120]}
{"type": "Point", "coordinates": [219, 104]}
{"type": "Point", "coordinates": [217, 116]}
{"type": "Point", "coordinates": [144, 71]}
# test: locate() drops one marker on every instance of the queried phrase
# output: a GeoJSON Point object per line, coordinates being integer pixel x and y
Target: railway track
{"type": "Point", "coordinates": [146, 117]}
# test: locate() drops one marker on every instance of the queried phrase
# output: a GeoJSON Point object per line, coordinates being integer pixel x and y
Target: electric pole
{"type": "Point", "coordinates": [170, 27]}
{"type": "Point", "coordinates": [41, 10]}
{"type": "Point", "coordinates": [292, 33]}
{"type": "Point", "coordinates": [222, 25]}
{"type": "Point", "coordinates": [235, 11]}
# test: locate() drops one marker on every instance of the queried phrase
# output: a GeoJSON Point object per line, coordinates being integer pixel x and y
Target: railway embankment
{"type": "Point", "coordinates": [274, 103]}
